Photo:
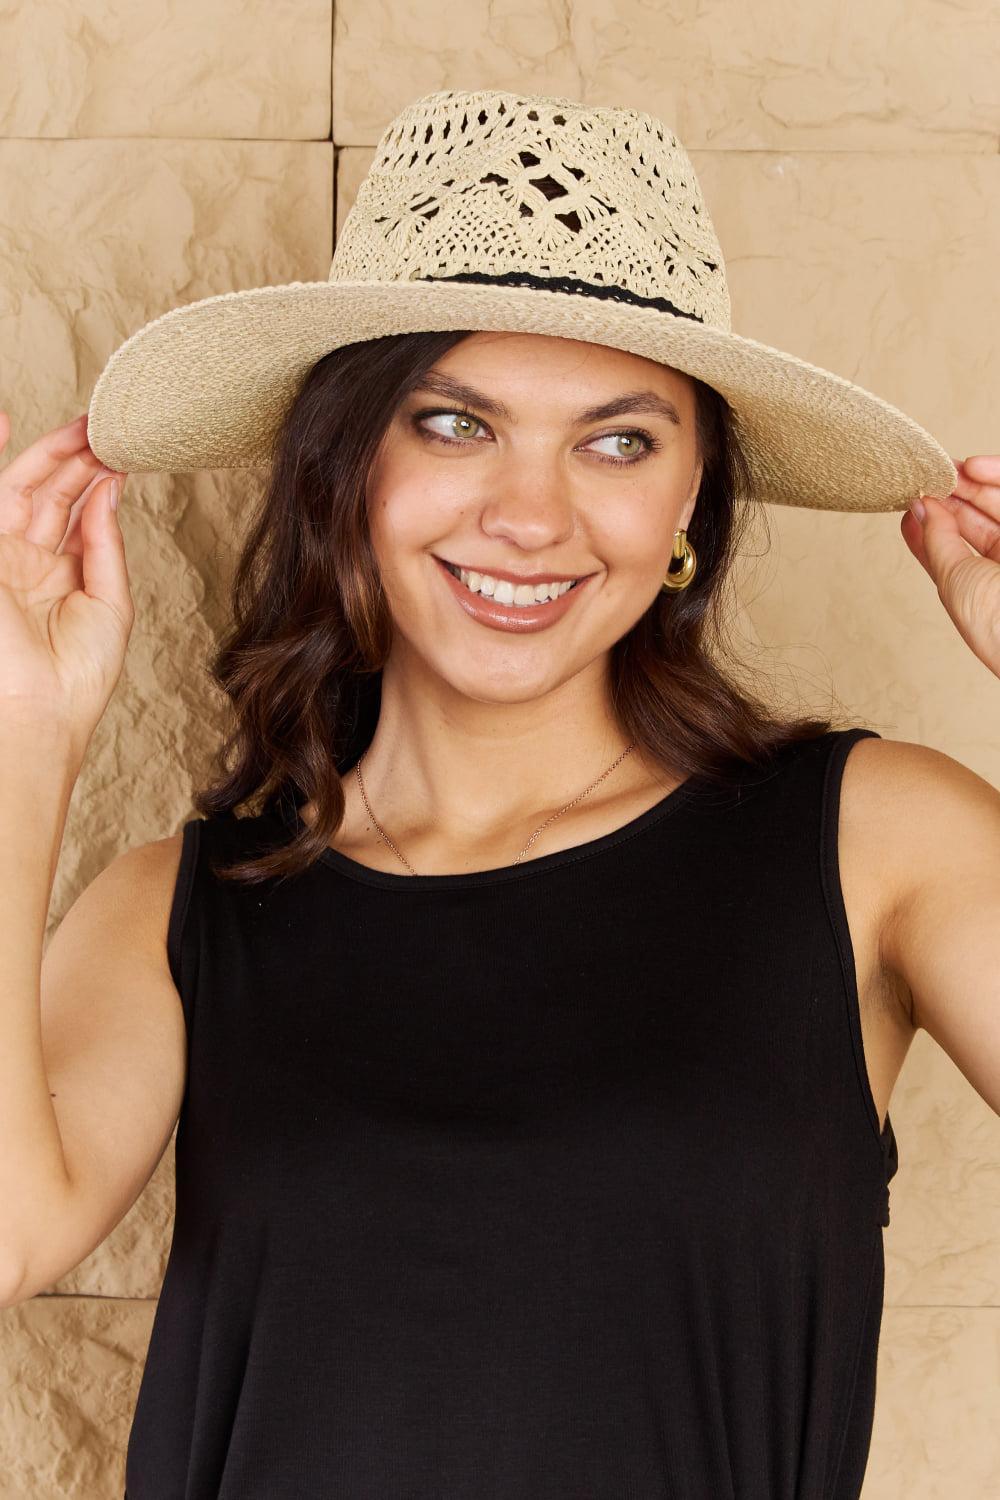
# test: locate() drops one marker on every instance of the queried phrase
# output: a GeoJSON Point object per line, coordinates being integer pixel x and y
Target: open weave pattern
{"type": "Point", "coordinates": [544, 186]}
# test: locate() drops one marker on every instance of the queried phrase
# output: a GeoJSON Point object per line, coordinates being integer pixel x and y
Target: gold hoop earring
{"type": "Point", "coordinates": [682, 549]}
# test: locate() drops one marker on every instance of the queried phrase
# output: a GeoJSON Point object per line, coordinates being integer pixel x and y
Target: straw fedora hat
{"type": "Point", "coordinates": [492, 210]}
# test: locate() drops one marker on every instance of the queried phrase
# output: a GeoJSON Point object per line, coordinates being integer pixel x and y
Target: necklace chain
{"type": "Point", "coordinates": [386, 839]}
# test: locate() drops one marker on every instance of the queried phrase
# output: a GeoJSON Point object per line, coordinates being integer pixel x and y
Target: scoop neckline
{"type": "Point", "coordinates": [541, 865]}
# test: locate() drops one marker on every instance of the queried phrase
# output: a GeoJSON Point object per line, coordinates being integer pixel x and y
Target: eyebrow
{"type": "Point", "coordinates": [628, 401]}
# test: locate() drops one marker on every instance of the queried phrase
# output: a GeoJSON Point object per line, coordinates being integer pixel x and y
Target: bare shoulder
{"type": "Point", "coordinates": [912, 796]}
{"type": "Point", "coordinates": [934, 832]}
{"type": "Point", "coordinates": [137, 888]}
{"type": "Point", "coordinates": [926, 823]}
{"type": "Point", "coordinates": [119, 920]}
{"type": "Point", "coordinates": [106, 988]}
{"type": "Point", "coordinates": [156, 864]}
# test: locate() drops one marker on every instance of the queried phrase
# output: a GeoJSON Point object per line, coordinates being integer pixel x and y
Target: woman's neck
{"type": "Point", "coordinates": [461, 784]}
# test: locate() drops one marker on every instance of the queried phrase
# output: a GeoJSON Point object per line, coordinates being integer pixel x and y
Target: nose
{"type": "Point", "coordinates": [535, 510]}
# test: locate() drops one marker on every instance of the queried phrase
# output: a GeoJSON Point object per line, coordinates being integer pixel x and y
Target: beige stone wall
{"type": "Point", "coordinates": [151, 155]}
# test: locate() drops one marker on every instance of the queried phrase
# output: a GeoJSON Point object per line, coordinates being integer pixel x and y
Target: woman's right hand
{"type": "Point", "coordinates": [66, 610]}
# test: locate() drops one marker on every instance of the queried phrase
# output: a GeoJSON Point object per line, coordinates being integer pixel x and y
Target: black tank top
{"type": "Point", "coordinates": [557, 1181]}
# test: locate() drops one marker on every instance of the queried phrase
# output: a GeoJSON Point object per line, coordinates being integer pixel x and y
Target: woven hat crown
{"type": "Point", "coordinates": [493, 187]}
{"type": "Point", "coordinates": [536, 214]}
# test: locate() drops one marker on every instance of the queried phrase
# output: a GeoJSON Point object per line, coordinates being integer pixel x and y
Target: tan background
{"type": "Point", "coordinates": [151, 155]}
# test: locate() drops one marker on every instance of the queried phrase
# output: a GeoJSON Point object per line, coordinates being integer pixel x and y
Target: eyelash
{"type": "Point", "coordinates": [435, 437]}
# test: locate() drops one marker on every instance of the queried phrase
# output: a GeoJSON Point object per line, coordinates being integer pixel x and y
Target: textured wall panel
{"type": "Point", "coordinates": [915, 75]}
{"type": "Point", "coordinates": [935, 1435]}
{"type": "Point", "coordinates": [227, 68]}
{"type": "Point", "coordinates": [69, 1374]}
{"type": "Point", "coordinates": [944, 1247]}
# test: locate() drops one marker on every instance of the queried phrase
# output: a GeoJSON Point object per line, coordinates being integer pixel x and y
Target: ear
{"type": "Point", "coordinates": [692, 500]}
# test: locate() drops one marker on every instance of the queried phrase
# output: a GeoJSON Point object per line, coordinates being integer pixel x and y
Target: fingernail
{"type": "Point", "coordinates": [114, 494]}
{"type": "Point", "coordinates": [919, 509]}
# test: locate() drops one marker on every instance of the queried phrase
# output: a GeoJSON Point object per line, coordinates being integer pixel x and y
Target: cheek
{"type": "Point", "coordinates": [409, 518]}
{"type": "Point", "coordinates": [639, 541]}
{"type": "Point", "coordinates": [395, 504]}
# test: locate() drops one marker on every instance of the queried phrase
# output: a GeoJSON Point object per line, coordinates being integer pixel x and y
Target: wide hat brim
{"type": "Point", "coordinates": [208, 384]}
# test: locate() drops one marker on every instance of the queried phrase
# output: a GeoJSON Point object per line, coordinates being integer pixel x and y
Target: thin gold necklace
{"type": "Point", "coordinates": [383, 835]}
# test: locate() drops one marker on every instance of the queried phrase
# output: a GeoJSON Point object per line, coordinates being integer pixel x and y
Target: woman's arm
{"type": "Point", "coordinates": [938, 824]}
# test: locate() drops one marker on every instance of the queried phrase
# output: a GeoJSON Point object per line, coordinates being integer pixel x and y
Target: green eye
{"type": "Point", "coordinates": [638, 445]}
{"type": "Point", "coordinates": [461, 423]}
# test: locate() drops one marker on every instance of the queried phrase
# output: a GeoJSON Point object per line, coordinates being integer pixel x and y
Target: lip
{"type": "Point", "coordinates": [510, 617]}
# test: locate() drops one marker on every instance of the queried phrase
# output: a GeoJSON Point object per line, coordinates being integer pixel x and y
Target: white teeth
{"type": "Point", "coordinates": [521, 595]}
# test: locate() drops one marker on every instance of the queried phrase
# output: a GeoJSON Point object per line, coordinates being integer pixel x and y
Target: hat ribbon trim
{"type": "Point", "coordinates": [613, 293]}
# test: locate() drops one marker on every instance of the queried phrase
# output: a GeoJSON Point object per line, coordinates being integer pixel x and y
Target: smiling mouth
{"type": "Point", "coordinates": [503, 591]}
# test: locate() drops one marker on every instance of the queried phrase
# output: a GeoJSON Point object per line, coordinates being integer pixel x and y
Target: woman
{"type": "Point", "coordinates": [532, 1041]}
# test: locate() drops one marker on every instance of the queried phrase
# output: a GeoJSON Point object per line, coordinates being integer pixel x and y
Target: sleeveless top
{"type": "Point", "coordinates": [557, 1180]}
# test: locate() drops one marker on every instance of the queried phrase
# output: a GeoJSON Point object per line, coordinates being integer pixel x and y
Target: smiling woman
{"type": "Point", "coordinates": [390, 548]}
{"type": "Point", "coordinates": [542, 994]}
{"type": "Point", "coordinates": [524, 1137]}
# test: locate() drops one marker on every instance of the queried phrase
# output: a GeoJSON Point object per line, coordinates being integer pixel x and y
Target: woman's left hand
{"type": "Point", "coordinates": [967, 577]}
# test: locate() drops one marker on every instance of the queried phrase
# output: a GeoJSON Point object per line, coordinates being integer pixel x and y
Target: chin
{"type": "Point", "coordinates": [513, 680]}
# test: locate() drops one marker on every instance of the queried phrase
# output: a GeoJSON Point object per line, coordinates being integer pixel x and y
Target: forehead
{"type": "Point", "coordinates": [516, 367]}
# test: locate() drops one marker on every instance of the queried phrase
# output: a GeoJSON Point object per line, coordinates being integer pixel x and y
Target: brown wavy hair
{"type": "Point", "coordinates": [300, 664]}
